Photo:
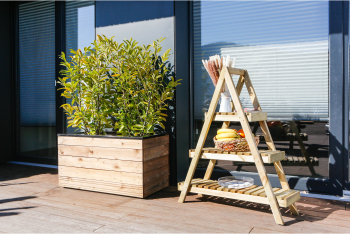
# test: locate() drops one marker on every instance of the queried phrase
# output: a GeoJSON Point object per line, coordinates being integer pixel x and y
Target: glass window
{"type": "Point", "coordinates": [37, 95]}
{"type": "Point", "coordinates": [284, 47]}
{"type": "Point", "coordinates": [80, 24]}
{"type": "Point", "coordinates": [80, 28]}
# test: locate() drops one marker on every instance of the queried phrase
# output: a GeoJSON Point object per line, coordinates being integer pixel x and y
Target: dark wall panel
{"type": "Point", "coordinates": [120, 12]}
{"type": "Point", "coordinates": [182, 71]}
{"type": "Point", "coordinates": [6, 117]}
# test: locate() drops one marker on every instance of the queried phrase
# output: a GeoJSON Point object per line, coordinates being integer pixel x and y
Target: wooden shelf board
{"type": "Point", "coordinates": [235, 71]}
{"type": "Point", "coordinates": [252, 116]}
{"type": "Point", "coordinates": [251, 194]}
{"type": "Point", "coordinates": [268, 156]}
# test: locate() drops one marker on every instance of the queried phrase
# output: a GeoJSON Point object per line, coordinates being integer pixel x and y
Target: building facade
{"type": "Point", "coordinates": [297, 54]}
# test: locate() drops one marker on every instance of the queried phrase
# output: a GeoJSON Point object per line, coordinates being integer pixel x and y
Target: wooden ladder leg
{"type": "Point", "coordinates": [254, 150]}
{"type": "Point", "coordinates": [225, 124]}
{"type": "Point", "coordinates": [295, 130]}
{"type": "Point", "coordinates": [278, 165]}
{"type": "Point", "coordinates": [268, 139]}
{"type": "Point", "coordinates": [208, 119]}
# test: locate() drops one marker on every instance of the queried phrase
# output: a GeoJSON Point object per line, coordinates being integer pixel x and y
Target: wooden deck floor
{"type": "Point", "coordinates": [31, 201]}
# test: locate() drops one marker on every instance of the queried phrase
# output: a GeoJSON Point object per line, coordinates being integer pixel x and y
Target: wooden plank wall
{"type": "Point", "coordinates": [119, 166]}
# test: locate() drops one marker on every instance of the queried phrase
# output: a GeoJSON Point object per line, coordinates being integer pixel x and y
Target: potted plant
{"type": "Point", "coordinates": [123, 88]}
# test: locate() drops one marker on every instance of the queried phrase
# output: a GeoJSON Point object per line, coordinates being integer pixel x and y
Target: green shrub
{"type": "Point", "coordinates": [122, 86]}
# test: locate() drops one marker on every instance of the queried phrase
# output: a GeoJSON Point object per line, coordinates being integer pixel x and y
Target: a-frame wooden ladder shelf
{"type": "Point", "coordinates": [265, 194]}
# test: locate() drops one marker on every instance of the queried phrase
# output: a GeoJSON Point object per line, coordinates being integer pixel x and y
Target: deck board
{"type": "Point", "coordinates": [31, 201]}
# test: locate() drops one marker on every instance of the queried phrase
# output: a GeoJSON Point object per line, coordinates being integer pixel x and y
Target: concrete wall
{"type": "Point", "coordinates": [6, 103]}
{"type": "Point", "coordinates": [144, 21]}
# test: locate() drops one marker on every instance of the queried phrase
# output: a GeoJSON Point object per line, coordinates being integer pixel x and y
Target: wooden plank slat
{"type": "Point", "coordinates": [208, 186]}
{"type": "Point", "coordinates": [233, 117]}
{"type": "Point", "coordinates": [100, 142]}
{"type": "Point", "coordinates": [155, 163]}
{"type": "Point", "coordinates": [242, 157]}
{"type": "Point", "coordinates": [282, 195]}
{"type": "Point", "coordinates": [249, 192]}
{"type": "Point", "coordinates": [101, 163]}
{"type": "Point", "coordinates": [220, 188]}
{"type": "Point", "coordinates": [256, 193]}
{"type": "Point", "coordinates": [241, 191]}
{"type": "Point", "coordinates": [101, 152]}
{"type": "Point", "coordinates": [155, 152]}
{"type": "Point", "coordinates": [214, 187]}
{"type": "Point", "coordinates": [264, 194]}
{"type": "Point", "coordinates": [292, 198]}
{"type": "Point", "coordinates": [155, 141]}
{"type": "Point", "coordinates": [231, 193]}
{"type": "Point", "coordinates": [112, 176]}
{"type": "Point", "coordinates": [101, 188]}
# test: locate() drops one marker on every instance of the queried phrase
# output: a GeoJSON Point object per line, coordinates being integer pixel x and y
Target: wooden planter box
{"type": "Point", "coordinates": [128, 166]}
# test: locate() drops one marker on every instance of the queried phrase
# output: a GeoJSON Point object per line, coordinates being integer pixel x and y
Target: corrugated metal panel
{"type": "Point", "coordinates": [283, 45]}
{"type": "Point", "coordinates": [37, 63]}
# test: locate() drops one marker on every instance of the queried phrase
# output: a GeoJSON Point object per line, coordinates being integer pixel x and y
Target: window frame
{"type": "Point", "coordinates": [338, 78]}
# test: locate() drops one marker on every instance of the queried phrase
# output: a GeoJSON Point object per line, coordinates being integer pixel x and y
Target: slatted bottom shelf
{"type": "Point", "coordinates": [252, 194]}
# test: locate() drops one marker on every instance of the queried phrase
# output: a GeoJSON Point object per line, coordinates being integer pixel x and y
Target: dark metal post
{"type": "Point", "coordinates": [60, 42]}
{"type": "Point", "coordinates": [182, 71]}
{"type": "Point", "coordinates": [337, 147]}
{"type": "Point", "coordinates": [346, 92]}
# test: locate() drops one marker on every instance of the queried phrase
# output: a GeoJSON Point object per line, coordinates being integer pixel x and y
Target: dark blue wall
{"type": "Point", "coordinates": [7, 102]}
{"type": "Point", "coordinates": [121, 12]}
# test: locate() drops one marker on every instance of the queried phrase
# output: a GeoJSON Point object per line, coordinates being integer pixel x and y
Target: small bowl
{"type": "Point", "coordinates": [236, 182]}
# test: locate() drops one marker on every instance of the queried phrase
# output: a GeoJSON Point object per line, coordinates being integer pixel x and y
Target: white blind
{"type": "Point", "coordinates": [37, 63]}
{"type": "Point", "coordinates": [283, 45]}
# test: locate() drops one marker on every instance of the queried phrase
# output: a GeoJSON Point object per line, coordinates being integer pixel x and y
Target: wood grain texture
{"type": "Point", "coordinates": [202, 137]}
{"type": "Point", "coordinates": [250, 139]}
{"type": "Point", "coordinates": [155, 163]}
{"type": "Point", "coordinates": [101, 152]}
{"type": "Point", "coordinates": [267, 158]}
{"type": "Point", "coordinates": [112, 176]}
{"type": "Point", "coordinates": [100, 142]}
{"type": "Point", "coordinates": [111, 167]}
{"type": "Point", "coordinates": [235, 71]}
{"type": "Point", "coordinates": [32, 201]}
{"type": "Point", "coordinates": [252, 116]}
{"type": "Point", "coordinates": [284, 197]}
{"type": "Point", "coordinates": [101, 163]}
{"type": "Point", "coordinates": [155, 152]}
{"type": "Point", "coordinates": [155, 141]}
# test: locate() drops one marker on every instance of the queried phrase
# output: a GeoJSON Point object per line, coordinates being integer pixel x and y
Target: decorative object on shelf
{"type": "Point", "coordinates": [234, 145]}
{"type": "Point", "coordinates": [264, 194]}
{"type": "Point", "coordinates": [213, 67]}
{"type": "Point", "coordinates": [231, 140]}
{"type": "Point", "coordinates": [236, 182]}
{"type": "Point", "coordinates": [126, 87]}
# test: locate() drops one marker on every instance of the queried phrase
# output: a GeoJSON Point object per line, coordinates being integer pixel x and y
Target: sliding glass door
{"type": "Point", "coordinates": [45, 29]}
{"type": "Point", "coordinates": [36, 80]}
{"type": "Point", "coordinates": [285, 48]}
